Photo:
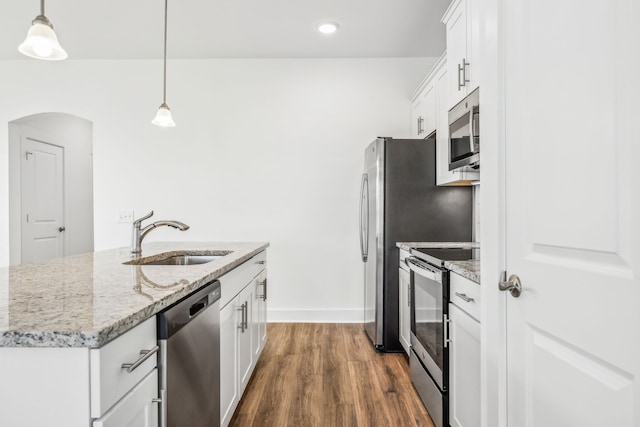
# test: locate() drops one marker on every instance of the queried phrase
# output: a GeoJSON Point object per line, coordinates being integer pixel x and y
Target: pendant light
{"type": "Point", "coordinates": [41, 41]}
{"type": "Point", "coordinates": [163, 116]}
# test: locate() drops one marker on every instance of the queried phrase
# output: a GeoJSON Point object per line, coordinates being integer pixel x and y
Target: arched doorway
{"type": "Point", "coordinates": [50, 187]}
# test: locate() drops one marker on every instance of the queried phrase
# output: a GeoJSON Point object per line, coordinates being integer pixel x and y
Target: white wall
{"type": "Point", "coordinates": [264, 150]}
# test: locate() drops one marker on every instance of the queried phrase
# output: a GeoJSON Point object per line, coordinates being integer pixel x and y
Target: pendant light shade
{"type": "Point", "coordinates": [163, 116]}
{"type": "Point", "coordinates": [41, 41]}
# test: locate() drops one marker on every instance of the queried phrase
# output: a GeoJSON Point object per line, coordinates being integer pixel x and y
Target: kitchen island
{"type": "Point", "coordinates": [63, 321]}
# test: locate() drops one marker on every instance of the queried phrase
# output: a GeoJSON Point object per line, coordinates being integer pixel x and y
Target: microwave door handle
{"type": "Point", "coordinates": [471, 135]}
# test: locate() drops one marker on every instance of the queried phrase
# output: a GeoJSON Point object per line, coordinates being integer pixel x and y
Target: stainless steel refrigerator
{"type": "Point", "coordinates": [400, 202]}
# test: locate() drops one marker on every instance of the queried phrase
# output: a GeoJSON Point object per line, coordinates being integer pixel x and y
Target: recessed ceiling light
{"type": "Point", "coordinates": [328, 27]}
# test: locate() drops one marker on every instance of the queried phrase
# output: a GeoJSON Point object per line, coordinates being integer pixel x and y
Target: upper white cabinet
{"type": "Point", "coordinates": [424, 110]}
{"type": "Point", "coordinates": [462, 21]}
{"type": "Point", "coordinates": [431, 113]}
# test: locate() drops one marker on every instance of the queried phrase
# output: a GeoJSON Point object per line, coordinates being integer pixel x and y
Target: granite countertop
{"type": "Point", "coordinates": [468, 269]}
{"type": "Point", "coordinates": [88, 300]}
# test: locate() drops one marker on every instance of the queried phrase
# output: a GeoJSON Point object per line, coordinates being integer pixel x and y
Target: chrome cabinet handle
{"type": "Point", "coordinates": [513, 285]}
{"type": "Point", "coordinates": [241, 327]}
{"type": "Point", "coordinates": [464, 297]}
{"type": "Point", "coordinates": [460, 85]}
{"type": "Point", "coordinates": [465, 64]}
{"type": "Point", "coordinates": [263, 283]}
{"type": "Point", "coordinates": [144, 355]}
{"type": "Point", "coordinates": [246, 315]}
{"type": "Point", "coordinates": [420, 123]}
{"type": "Point", "coordinates": [261, 262]}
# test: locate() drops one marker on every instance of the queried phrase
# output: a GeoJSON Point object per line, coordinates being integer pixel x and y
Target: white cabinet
{"type": "Point", "coordinates": [69, 387]}
{"type": "Point", "coordinates": [434, 93]}
{"type": "Point", "coordinates": [464, 353]}
{"type": "Point", "coordinates": [259, 318]}
{"type": "Point", "coordinates": [423, 106]}
{"type": "Point", "coordinates": [404, 283]}
{"type": "Point", "coordinates": [462, 22]}
{"type": "Point", "coordinates": [109, 380]}
{"type": "Point", "coordinates": [242, 330]}
{"type": "Point", "coordinates": [135, 409]}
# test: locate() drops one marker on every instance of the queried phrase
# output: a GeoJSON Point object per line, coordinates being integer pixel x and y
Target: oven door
{"type": "Point", "coordinates": [429, 313]}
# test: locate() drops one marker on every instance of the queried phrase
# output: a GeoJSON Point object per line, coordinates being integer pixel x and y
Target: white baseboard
{"type": "Point", "coordinates": [315, 316]}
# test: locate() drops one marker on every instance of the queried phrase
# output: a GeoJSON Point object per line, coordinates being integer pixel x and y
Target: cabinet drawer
{"type": "Point", "coordinates": [137, 408]}
{"type": "Point", "coordinates": [235, 281]}
{"type": "Point", "coordinates": [465, 294]}
{"type": "Point", "coordinates": [109, 380]}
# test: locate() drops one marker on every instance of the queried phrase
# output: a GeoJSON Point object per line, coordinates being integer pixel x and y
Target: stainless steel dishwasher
{"type": "Point", "coordinates": [189, 339]}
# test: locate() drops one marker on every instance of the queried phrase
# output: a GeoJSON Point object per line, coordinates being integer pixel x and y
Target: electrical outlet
{"type": "Point", "coordinates": [125, 216]}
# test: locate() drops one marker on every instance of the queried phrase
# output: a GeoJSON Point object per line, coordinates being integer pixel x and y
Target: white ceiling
{"type": "Point", "coordinates": [132, 29]}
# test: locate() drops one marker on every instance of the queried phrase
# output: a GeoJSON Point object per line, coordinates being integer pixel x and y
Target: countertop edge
{"type": "Point", "coordinates": [98, 338]}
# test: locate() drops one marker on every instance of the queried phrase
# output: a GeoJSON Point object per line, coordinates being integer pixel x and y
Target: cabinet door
{"type": "Point", "coordinates": [456, 51]}
{"type": "Point", "coordinates": [230, 318]}
{"type": "Point", "coordinates": [464, 369]}
{"type": "Point", "coordinates": [259, 318]}
{"type": "Point", "coordinates": [473, 44]}
{"type": "Point", "coordinates": [405, 309]}
{"type": "Point", "coordinates": [424, 112]}
{"type": "Point", "coordinates": [245, 349]}
{"type": "Point", "coordinates": [136, 409]}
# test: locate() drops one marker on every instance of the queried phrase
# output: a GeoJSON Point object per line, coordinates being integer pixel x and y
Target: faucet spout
{"type": "Point", "coordinates": [139, 233]}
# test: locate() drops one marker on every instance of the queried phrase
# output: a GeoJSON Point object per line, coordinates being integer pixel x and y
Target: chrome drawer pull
{"type": "Point", "coordinates": [144, 355]}
{"type": "Point", "coordinates": [465, 297]}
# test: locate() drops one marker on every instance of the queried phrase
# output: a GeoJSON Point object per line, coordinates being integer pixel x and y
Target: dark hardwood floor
{"type": "Point", "coordinates": [328, 375]}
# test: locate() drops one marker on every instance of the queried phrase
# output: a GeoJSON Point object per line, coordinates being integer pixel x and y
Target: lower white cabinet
{"type": "Point", "coordinates": [81, 387]}
{"type": "Point", "coordinates": [242, 332]}
{"type": "Point", "coordinates": [136, 409]}
{"type": "Point", "coordinates": [404, 283]}
{"type": "Point", "coordinates": [464, 358]}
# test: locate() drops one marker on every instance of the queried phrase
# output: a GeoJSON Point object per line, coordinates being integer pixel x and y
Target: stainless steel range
{"type": "Point", "coordinates": [429, 358]}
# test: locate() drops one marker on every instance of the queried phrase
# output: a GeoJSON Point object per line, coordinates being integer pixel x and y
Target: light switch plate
{"type": "Point", "coordinates": [125, 216]}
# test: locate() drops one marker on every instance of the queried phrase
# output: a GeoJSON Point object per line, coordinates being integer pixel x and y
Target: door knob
{"type": "Point", "coordinates": [61, 229]}
{"type": "Point", "coordinates": [512, 285]}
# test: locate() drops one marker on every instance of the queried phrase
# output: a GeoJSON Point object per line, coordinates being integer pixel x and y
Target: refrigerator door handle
{"type": "Point", "coordinates": [364, 218]}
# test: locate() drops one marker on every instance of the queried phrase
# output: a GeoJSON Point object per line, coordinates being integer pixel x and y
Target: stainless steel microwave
{"type": "Point", "coordinates": [464, 134]}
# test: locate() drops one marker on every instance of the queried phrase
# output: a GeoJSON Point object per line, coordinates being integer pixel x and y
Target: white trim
{"type": "Point", "coordinates": [493, 384]}
{"type": "Point", "coordinates": [285, 315]}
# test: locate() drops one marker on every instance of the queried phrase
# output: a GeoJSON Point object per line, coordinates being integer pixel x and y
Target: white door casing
{"type": "Point", "coordinates": [572, 208]}
{"type": "Point", "coordinates": [42, 199]}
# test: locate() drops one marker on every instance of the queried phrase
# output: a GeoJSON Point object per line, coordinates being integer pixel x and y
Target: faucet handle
{"type": "Point", "coordinates": [139, 220]}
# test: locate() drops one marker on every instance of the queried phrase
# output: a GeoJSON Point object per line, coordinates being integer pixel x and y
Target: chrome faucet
{"type": "Point", "coordinates": [140, 233]}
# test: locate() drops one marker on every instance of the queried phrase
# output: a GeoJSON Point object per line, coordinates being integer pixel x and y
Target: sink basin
{"type": "Point", "coordinates": [185, 260]}
{"type": "Point", "coordinates": [179, 258]}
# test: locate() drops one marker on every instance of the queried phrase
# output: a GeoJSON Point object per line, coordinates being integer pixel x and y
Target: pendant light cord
{"type": "Point", "coordinates": [42, 7]}
{"type": "Point", "coordinates": [164, 89]}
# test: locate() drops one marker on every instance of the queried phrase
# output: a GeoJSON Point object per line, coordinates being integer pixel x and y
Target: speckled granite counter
{"type": "Point", "coordinates": [88, 300]}
{"type": "Point", "coordinates": [468, 269]}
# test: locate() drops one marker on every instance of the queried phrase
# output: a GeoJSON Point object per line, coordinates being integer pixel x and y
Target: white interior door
{"type": "Point", "coordinates": [42, 175]}
{"type": "Point", "coordinates": [573, 206]}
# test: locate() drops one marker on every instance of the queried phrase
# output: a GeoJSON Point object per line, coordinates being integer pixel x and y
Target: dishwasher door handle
{"type": "Point", "coordinates": [144, 355]}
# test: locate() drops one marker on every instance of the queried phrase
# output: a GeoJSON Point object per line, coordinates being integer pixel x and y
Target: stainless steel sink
{"type": "Point", "coordinates": [185, 260]}
{"type": "Point", "coordinates": [182, 258]}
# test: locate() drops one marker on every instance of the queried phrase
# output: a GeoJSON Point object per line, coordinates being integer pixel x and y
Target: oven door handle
{"type": "Point", "coordinates": [423, 270]}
